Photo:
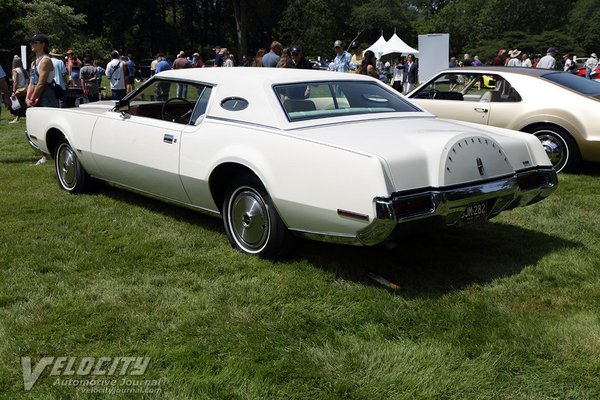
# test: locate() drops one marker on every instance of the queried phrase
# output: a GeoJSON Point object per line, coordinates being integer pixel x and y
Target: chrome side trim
{"type": "Point", "coordinates": [35, 146]}
{"type": "Point", "coordinates": [329, 237]}
{"type": "Point", "coordinates": [159, 197]}
{"type": "Point", "coordinates": [237, 121]}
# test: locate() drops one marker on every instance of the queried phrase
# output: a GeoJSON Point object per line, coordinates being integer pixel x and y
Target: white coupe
{"type": "Point", "coordinates": [278, 152]}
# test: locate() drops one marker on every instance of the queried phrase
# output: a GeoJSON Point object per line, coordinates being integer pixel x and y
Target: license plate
{"type": "Point", "coordinates": [474, 213]}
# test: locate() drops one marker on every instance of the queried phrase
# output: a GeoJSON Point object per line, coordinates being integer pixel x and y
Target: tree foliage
{"type": "Point", "coordinates": [59, 21]}
{"type": "Point", "coordinates": [147, 27]}
{"type": "Point", "coordinates": [308, 23]}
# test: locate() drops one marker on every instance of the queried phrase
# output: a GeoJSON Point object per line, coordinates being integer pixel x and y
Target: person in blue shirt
{"type": "Point", "coordinates": [130, 66]}
{"type": "Point", "coordinates": [163, 64]}
{"type": "Point", "coordinates": [341, 62]}
{"type": "Point", "coordinates": [271, 59]}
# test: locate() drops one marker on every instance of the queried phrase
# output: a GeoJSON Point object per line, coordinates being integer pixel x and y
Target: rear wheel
{"type": "Point", "coordinates": [251, 221]}
{"type": "Point", "coordinates": [69, 172]}
{"type": "Point", "coordinates": [559, 146]}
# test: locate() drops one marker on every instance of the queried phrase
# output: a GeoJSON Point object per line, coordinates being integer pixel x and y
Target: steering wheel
{"type": "Point", "coordinates": [433, 93]}
{"type": "Point", "coordinates": [165, 115]}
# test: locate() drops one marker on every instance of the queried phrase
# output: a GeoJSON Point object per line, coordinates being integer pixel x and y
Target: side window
{"type": "Point", "coordinates": [451, 86]}
{"type": "Point", "coordinates": [496, 89]}
{"type": "Point", "coordinates": [167, 100]}
{"type": "Point", "coordinates": [201, 105]}
{"type": "Point", "coordinates": [330, 99]}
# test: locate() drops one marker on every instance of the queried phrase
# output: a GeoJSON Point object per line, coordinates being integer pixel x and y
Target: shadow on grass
{"type": "Point", "coordinates": [590, 169]}
{"type": "Point", "coordinates": [181, 213]}
{"type": "Point", "coordinates": [428, 265]}
{"type": "Point", "coordinates": [439, 263]}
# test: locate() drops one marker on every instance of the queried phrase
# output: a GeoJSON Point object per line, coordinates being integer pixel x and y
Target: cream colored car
{"type": "Point", "coordinates": [278, 152]}
{"type": "Point", "coordinates": [561, 109]}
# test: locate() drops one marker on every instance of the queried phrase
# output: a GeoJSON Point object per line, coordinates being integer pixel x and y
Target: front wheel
{"type": "Point", "coordinates": [251, 221]}
{"type": "Point", "coordinates": [560, 147]}
{"type": "Point", "coordinates": [69, 172]}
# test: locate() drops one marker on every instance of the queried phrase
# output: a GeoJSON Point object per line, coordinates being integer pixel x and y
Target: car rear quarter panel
{"type": "Point", "coordinates": [308, 181]}
{"type": "Point", "coordinates": [544, 102]}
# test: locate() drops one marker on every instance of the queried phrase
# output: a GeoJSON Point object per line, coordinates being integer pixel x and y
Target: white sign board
{"type": "Point", "coordinates": [433, 54]}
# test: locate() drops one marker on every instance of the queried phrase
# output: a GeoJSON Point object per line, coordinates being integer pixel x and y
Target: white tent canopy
{"type": "Point", "coordinates": [395, 45]}
{"type": "Point", "coordinates": [377, 46]}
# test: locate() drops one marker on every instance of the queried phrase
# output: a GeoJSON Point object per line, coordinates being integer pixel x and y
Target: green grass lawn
{"type": "Point", "coordinates": [507, 310]}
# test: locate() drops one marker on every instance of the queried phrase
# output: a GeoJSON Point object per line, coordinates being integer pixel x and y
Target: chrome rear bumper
{"type": "Point", "coordinates": [446, 205]}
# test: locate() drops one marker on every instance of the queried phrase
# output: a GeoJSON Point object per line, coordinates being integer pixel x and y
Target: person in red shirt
{"type": "Point", "coordinates": [500, 58]}
{"type": "Point", "coordinates": [180, 63]}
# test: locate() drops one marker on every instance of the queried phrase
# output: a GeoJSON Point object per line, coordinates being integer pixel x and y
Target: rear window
{"type": "Point", "coordinates": [314, 100]}
{"type": "Point", "coordinates": [577, 83]}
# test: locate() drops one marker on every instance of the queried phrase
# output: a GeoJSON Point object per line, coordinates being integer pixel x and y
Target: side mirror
{"type": "Point", "coordinates": [123, 105]}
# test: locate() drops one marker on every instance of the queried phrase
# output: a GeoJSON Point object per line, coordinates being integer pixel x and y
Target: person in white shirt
{"type": "Point", "coordinates": [514, 60]}
{"type": "Point", "coordinates": [115, 71]}
{"type": "Point", "coordinates": [548, 61]}
{"type": "Point", "coordinates": [590, 66]}
{"type": "Point", "coordinates": [398, 75]}
{"type": "Point", "coordinates": [568, 63]}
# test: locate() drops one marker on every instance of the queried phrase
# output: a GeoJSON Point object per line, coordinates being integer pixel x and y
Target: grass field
{"type": "Point", "coordinates": [508, 310]}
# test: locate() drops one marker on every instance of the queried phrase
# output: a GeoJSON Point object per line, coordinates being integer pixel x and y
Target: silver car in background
{"type": "Point", "coordinates": [561, 109]}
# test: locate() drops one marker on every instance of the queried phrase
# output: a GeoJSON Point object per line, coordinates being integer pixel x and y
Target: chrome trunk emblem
{"type": "Point", "coordinates": [480, 166]}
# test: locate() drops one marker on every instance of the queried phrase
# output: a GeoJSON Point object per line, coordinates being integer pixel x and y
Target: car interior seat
{"type": "Point", "coordinates": [490, 96]}
{"type": "Point", "coordinates": [292, 105]}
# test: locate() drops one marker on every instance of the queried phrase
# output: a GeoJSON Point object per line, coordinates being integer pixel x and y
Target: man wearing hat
{"type": "Point", "coordinates": [590, 66]}
{"type": "Point", "coordinates": [357, 56]}
{"type": "Point", "coordinates": [514, 60]}
{"type": "Point", "coordinates": [297, 60]}
{"type": "Point", "coordinates": [548, 61]}
{"type": "Point", "coordinates": [60, 72]}
{"type": "Point", "coordinates": [341, 62]}
{"type": "Point", "coordinates": [181, 62]}
{"type": "Point", "coordinates": [40, 92]}
{"type": "Point", "coordinates": [197, 61]}
{"type": "Point", "coordinates": [218, 57]}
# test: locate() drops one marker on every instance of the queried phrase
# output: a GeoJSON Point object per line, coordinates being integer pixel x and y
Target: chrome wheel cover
{"type": "Point", "coordinates": [66, 166]}
{"type": "Point", "coordinates": [555, 147]}
{"type": "Point", "coordinates": [249, 220]}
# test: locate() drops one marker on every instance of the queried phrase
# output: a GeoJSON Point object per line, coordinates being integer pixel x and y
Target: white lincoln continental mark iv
{"type": "Point", "coordinates": [278, 152]}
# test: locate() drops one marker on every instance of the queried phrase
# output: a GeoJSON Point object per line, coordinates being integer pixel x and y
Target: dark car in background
{"type": "Point", "coordinates": [143, 68]}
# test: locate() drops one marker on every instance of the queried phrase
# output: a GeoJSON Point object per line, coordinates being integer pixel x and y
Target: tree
{"type": "Point", "coordinates": [583, 25]}
{"type": "Point", "coordinates": [308, 23]}
{"type": "Point", "coordinates": [389, 16]}
{"type": "Point", "coordinates": [241, 24]}
{"type": "Point", "coordinates": [11, 29]}
{"type": "Point", "coordinates": [50, 17]}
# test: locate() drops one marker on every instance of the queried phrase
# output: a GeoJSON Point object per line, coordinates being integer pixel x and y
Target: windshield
{"type": "Point", "coordinates": [579, 84]}
{"type": "Point", "coordinates": [330, 99]}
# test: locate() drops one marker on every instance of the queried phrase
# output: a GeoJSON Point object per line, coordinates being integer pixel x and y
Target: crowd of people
{"type": "Point", "coordinates": [53, 74]}
{"type": "Point", "coordinates": [517, 58]}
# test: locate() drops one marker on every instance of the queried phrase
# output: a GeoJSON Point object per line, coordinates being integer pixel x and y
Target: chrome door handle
{"type": "Point", "coordinates": [481, 110]}
{"type": "Point", "coordinates": [169, 139]}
